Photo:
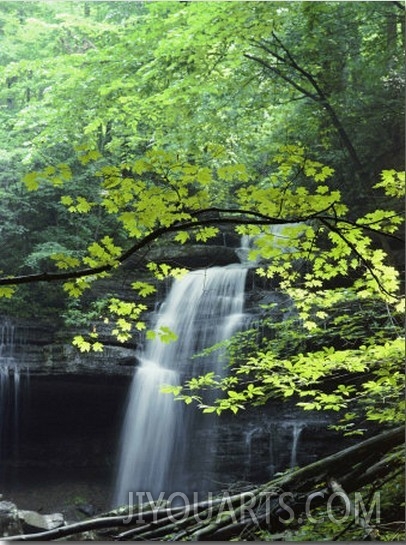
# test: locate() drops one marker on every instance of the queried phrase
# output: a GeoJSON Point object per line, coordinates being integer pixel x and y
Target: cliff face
{"type": "Point", "coordinates": [40, 350]}
{"type": "Point", "coordinates": [64, 445]}
{"type": "Point", "coordinates": [65, 409]}
{"type": "Point", "coordinates": [45, 349]}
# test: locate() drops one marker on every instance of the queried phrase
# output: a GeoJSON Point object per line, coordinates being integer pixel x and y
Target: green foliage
{"type": "Point", "coordinates": [393, 183]}
{"type": "Point", "coordinates": [316, 353]}
{"type": "Point", "coordinates": [42, 252]}
{"type": "Point", "coordinates": [7, 291]}
{"type": "Point", "coordinates": [163, 334]}
{"type": "Point", "coordinates": [378, 510]}
{"type": "Point", "coordinates": [110, 315]}
{"type": "Point", "coordinates": [162, 271]}
{"type": "Point", "coordinates": [124, 125]}
{"type": "Point", "coordinates": [174, 77]}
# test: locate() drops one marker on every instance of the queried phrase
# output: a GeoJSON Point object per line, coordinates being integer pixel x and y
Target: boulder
{"type": "Point", "coordinates": [9, 519]}
{"type": "Point", "coordinates": [32, 521]}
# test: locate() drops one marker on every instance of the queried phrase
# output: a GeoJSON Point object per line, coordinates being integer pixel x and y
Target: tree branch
{"type": "Point", "coordinates": [261, 219]}
{"type": "Point", "coordinates": [225, 517]}
{"type": "Point", "coordinates": [279, 73]}
{"type": "Point", "coordinates": [362, 258]}
{"type": "Point", "coordinates": [319, 97]}
{"type": "Point", "coordinates": [399, 5]}
{"type": "Point", "coordinates": [224, 216]}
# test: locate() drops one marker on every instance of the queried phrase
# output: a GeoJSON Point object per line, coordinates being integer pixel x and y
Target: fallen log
{"type": "Point", "coordinates": [370, 532]}
{"type": "Point", "coordinates": [263, 507]}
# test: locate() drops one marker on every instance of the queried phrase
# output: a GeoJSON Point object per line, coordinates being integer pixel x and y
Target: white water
{"type": "Point", "coordinates": [10, 390]}
{"type": "Point", "coordinates": [249, 450]}
{"type": "Point", "coordinates": [202, 308]}
{"type": "Point", "coordinates": [296, 431]}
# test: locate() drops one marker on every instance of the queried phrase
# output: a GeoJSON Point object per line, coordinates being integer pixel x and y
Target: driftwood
{"type": "Point", "coordinates": [230, 516]}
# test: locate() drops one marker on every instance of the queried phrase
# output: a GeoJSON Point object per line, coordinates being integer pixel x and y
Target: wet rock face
{"type": "Point", "coordinates": [196, 256]}
{"type": "Point", "coordinates": [66, 421]}
{"type": "Point", "coordinates": [259, 442]}
{"type": "Point", "coordinates": [69, 432]}
{"type": "Point", "coordinates": [63, 445]}
{"type": "Point", "coordinates": [39, 350]}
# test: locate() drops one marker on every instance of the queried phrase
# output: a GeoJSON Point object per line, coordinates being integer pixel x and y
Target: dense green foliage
{"type": "Point", "coordinates": [127, 124]}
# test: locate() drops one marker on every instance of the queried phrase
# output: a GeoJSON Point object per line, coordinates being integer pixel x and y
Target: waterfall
{"type": "Point", "coordinates": [203, 308]}
{"type": "Point", "coordinates": [249, 435]}
{"type": "Point", "coordinates": [10, 391]}
{"type": "Point", "coordinates": [296, 431]}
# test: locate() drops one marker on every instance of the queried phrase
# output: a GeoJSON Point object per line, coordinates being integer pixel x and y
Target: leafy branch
{"type": "Point", "coordinates": [202, 218]}
{"type": "Point", "coordinates": [368, 265]}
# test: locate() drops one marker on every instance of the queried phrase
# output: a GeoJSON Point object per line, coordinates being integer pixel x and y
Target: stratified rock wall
{"type": "Point", "coordinates": [68, 415]}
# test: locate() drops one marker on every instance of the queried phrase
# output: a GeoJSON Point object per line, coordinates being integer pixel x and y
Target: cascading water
{"type": "Point", "coordinates": [10, 391]}
{"type": "Point", "coordinates": [296, 431]}
{"type": "Point", "coordinates": [248, 445]}
{"type": "Point", "coordinates": [202, 308]}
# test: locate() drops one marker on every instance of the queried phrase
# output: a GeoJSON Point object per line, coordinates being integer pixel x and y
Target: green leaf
{"type": "Point", "coordinates": [143, 288]}
{"type": "Point", "coordinates": [7, 291]}
{"type": "Point", "coordinates": [166, 335]}
{"type": "Point", "coordinates": [182, 237]}
{"type": "Point", "coordinates": [204, 234]}
{"type": "Point", "coordinates": [81, 343]}
{"type": "Point", "coordinates": [32, 180]}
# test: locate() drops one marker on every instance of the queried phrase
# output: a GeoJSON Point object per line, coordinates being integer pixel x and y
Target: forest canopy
{"type": "Point", "coordinates": [126, 125]}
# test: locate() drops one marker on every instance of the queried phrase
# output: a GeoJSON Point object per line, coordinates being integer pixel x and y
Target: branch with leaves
{"type": "Point", "coordinates": [204, 218]}
{"type": "Point", "coordinates": [293, 217]}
